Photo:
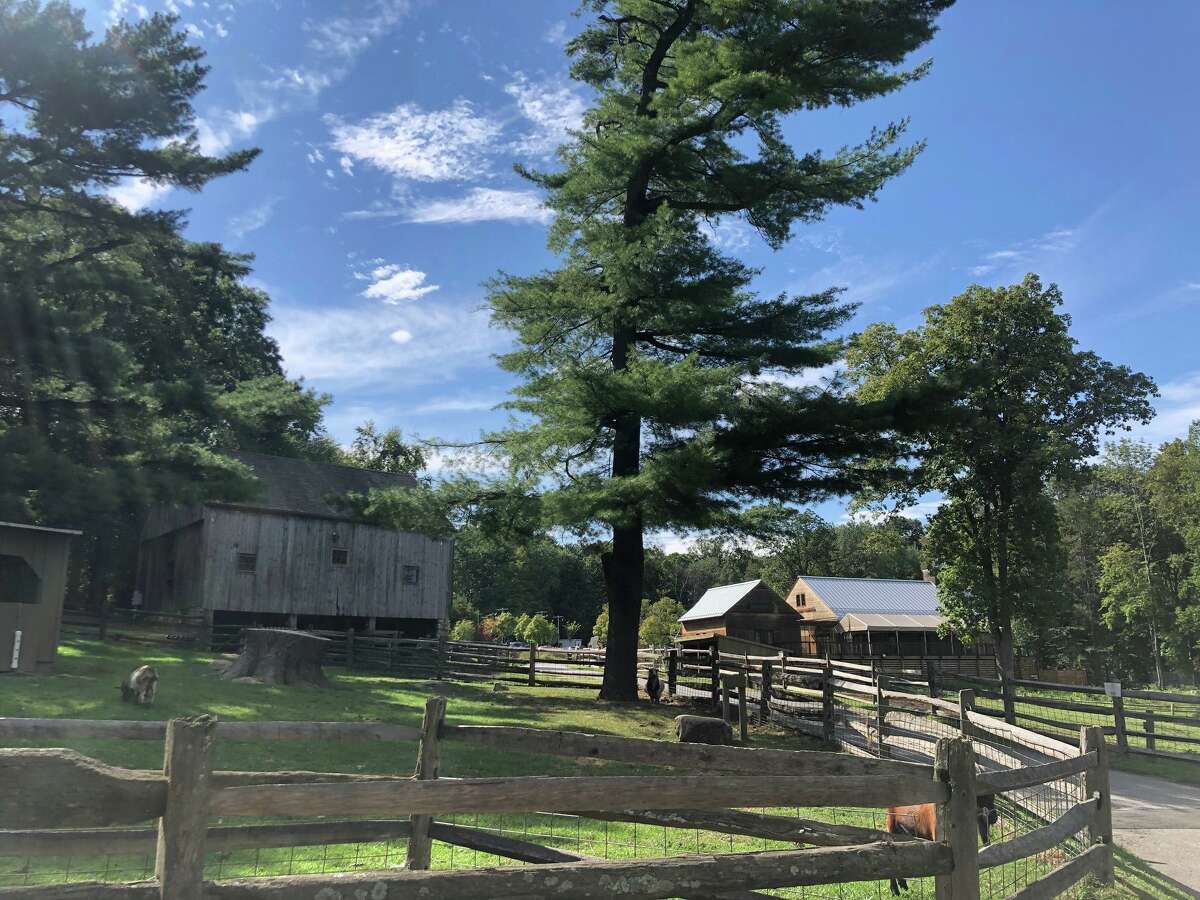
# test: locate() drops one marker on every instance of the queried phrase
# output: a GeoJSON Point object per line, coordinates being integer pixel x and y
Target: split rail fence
{"type": "Point", "coordinates": [60, 803]}
{"type": "Point", "coordinates": [1140, 722]}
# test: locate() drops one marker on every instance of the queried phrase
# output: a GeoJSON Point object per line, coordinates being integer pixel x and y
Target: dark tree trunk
{"type": "Point", "coordinates": [623, 570]}
{"type": "Point", "coordinates": [280, 656]}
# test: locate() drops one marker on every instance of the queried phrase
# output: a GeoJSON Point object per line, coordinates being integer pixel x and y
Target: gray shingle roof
{"type": "Point", "coordinates": [875, 595]}
{"type": "Point", "coordinates": [302, 486]}
{"type": "Point", "coordinates": [719, 600]}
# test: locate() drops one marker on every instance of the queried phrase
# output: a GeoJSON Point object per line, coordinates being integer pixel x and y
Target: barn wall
{"type": "Point", "coordinates": [171, 569]}
{"type": "Point", "coordinates": [294, 572]}
{"type": "Point", "coordinates": [812, 608]}
{"type": "Point", "coordinates": [49, 554]}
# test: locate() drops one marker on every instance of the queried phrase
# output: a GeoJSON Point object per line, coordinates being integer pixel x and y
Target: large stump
{"type": "Point", "coordinates": [702, 730]}
{"type": "Point", "coordinates": [280, 656]}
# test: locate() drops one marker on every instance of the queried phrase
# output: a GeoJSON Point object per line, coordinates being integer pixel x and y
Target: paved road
{"type": "Point", "coordinates": [1159, 821]}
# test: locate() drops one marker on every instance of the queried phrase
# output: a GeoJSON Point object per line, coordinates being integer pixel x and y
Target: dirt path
{"type": "Point", "coordinates": [1159, 821]}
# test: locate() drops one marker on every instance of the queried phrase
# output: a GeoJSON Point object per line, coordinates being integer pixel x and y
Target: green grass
{"type": "Point", "coordinates": [85, 686]}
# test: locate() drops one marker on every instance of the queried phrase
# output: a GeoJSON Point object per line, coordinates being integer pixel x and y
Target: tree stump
{"type": "Point", "coordinates": [280, 656]}
{"type": "Point", "coordinates": [702, 730]}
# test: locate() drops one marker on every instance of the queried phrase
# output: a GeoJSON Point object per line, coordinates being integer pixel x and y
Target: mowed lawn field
{"type": "Point", "coordinates": [85, 686]}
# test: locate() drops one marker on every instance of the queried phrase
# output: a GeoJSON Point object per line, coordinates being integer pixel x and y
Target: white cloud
{"type": "Point", "coordinates": [556, 33]}
{"type": "Point", "coordinates": [465, 403]}
{"type": "Point", "coordinates": [315, 156]}
{"type": "Point", "coordinates": [347, 36]}
{"type": "Point", "coordinates": [552, 106]}
{"type": "Point", "coordinates": [218, 130]}
{"type": "Point", "coordinates": [481, 205]}
{"type": "Point", "coordinates": [409, 143]}
{"type": "Point", "coordinates": [401, 336]}
{"type": "Point", "coordinates": [352, 346]}
{"type": "Point", "coordinates": [137, 193]}
{"type": "Point", "coordinates": [1176, 409]}
{"type": "Point", "coordinates": [347, 165]}
{"type": "Point", "coordinates": [253, 219]}
{"type": "Point", "coordinates": [1025, 254]}
{"type": "Point", "coordinates": [393, 284]}
{"type": "Point", "coordinates": [729, 234]}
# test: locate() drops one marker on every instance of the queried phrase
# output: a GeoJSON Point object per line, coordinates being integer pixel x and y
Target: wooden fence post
{"type": "Point", "coordinates": [1006, 697]}
{"type": "Point", "coordinates": [743, 696]}
{"type": "Point", "coordinates": [672, 671]}
{"type": "Point", "coordinates": [532, 663]}
{"type": "Point", "coordinates": [931, 677]}
{"type": "Point", "coordinates": [764, 691]}
{"type": "Point", "coordinates": [1095, 781]}
{"type": "Point", "coordinates": [1148, 727]}
{"type": "Point", "coordinates": [828, 723]}
{"type": "Point", "coordinates": [428, 760]}
{"type": "Point", "coordinates": [726, 689]}
{"type": "Point", "coordinates": [349, 649]}
{"type": "Point", "coordinates": [881, 713]}
{"type": "Point", "coordinates": [958, 828]}
{"type": "Point", "coordinates": [1118, 705]}
{"type": "Point", "coordinates": [966, 703]}
{"type": "Point", "coordinates": [715, 673]}
{"type": "Point", "coordinates": [179, 856]}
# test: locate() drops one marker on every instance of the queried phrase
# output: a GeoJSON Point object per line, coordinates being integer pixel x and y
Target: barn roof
{"type": "Point", "coordinates": [306, 487]}
{"type": "Point", "coordinates": [875, 595]}
{"type": "Point", "coordinates": [41, 528]}
{"type": "Point", "coordinates": [719, 600]}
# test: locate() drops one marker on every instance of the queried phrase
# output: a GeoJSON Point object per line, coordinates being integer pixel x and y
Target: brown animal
{"type": "Point", "coordinates": [654, 686]}
{"type": "Point", "coordinates": [140, 686]}
{"type": "Point", "coordinates": [921, 821]}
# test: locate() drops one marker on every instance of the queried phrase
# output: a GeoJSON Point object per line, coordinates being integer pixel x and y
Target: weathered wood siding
{"type": "Point", "coordinates": [48, 553]}
{"type": "Point", "coordinates": [294, 572]}
{"type": "Point", "coordinates": [171, 569]}
{"type": "Point", "coordinates": [760, 617]}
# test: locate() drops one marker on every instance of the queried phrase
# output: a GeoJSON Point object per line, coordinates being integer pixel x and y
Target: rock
{"type": "Point", "coordinates": [702, 730]}
{"type": "Point", "coordinates": [499, 688]}
{"type": "Point", "coordinates": [248, 679]}
{"type": "Point", "coordinates": [220, 664]}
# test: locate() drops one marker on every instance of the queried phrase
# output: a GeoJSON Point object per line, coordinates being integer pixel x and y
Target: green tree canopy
{"type": "Point", "coordinates": [641, 356]}
{"type": "Point", "coordinates": [1024, 407]}
{"type": "Point", "coordinates": [539, 630]}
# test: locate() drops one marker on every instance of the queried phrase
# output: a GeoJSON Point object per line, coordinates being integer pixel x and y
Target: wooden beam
{"type": "Point", "coordinates": [957, 824]}
{"type": "Point", "coordinates": [1056, 883]}
{"type": "Point", "coordinates": [45, 788]}
{"type": "Point", "coordinates": [561, 794]}
{"type": "Point", "coordinates": [428, 761]}
{"type": "Point", "coordinates": [1011, 779]}
{"type": "Point", "coordinates": [697, 757]}
{"type": "Point", "coordinates": [187, 765]}
{"type": "Point", "coordinates": [71, 729]}
{"type": "Point", "coordinates": [1041, 839]}
{"type": "Point", "coordinates": [1095, 782]}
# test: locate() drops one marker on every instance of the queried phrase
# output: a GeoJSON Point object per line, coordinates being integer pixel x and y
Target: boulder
{"type": "Point", "coordinates": [702, 730]}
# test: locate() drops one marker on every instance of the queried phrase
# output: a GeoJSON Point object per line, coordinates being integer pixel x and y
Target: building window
{"type": "Point", "coordinates": [410, 574]}
{"type": "Point", "coordinates": [341, 556]}
{"type": "Point", "coordinates": [247, 562]}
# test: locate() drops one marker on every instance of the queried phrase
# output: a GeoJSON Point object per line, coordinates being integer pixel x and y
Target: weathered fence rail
{"type": "Point", "coordinates": [42, 790]}
{"type": "Point", "coordinates": [1142, 722]}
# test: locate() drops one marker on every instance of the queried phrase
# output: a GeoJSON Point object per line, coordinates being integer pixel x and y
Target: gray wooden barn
{"type": "Point", "coordinates": [33, 579]}
{"type": "Point", "coordinates": [292, 557]}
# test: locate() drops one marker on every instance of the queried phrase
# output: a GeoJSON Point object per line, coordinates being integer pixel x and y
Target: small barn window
{"type": "Point", "coordinates": [410, 574]}
{"type": "Point", "coordinates": [341, 556]}
{"type": "Point", "coordinates": [247, 562]}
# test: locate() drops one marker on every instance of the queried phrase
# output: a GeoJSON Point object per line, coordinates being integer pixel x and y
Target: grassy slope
{"type": "Point", "coordinates": [85, 686]}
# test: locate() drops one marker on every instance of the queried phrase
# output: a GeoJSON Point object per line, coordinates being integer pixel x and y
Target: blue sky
{"type": "Point", "coordinates": [1062, 140]}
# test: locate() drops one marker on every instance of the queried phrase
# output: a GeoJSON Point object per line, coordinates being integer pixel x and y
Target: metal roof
{"type": "Point", "coordinates": [719, 600]}
{"type": "Point", "coordinates": [875, 595]}
{"type": "Point", "coordinates": [894, 622]}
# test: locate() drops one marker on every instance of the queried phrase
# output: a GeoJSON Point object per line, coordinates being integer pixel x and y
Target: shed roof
{"type": "Point", "coordinates": [719, 600]}
{"type": "Point", "coordinates": [893, 622]}
{"type": "Point", "coordinates": [875, 595]}
{"type": "Point", "coordinates": [41, 528]}
{"type": "Point", "coordinates": [306, 487]}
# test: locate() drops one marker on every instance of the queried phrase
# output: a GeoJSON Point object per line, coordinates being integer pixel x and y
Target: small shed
{"type": "Point", "coordinates": [33, 580]}
{"type": "Point", "coordinates": [750, 611]}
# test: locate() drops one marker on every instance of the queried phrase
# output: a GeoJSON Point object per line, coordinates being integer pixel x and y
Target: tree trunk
{"type": "Point", "coordinates": [280, 656]}
{"type": "Point", "coordinates": [1157, 650]}
{"type": "Point", "coordinates": [623, 571]}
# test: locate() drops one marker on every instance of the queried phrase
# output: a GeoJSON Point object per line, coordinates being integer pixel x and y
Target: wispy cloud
{"type": "Point", "coordinates": [352, 346]}
{"type": "Point", "coordinates": [552, 106]}
{"type": "Point", "coordinates": [463, 403]}
{"type": "Point", "coordinates": [348, 36]}
{"type": "Point", "coordinates": [1177, 407]}
{"type": "Point", "coordinates": [482, 205]}
{"type": "Point", "coordinates": [253, 219]}
{"type": "Point", "coordinates": [556, 33]}
{"type": "Point", "coordinates": [413, 144]}
{"type": "Point", "coordinates": [135, 194]}
{"type": "Point", "coordinates": [393, 284]}
{"type": "Point", "coordinates": [1025, 254]}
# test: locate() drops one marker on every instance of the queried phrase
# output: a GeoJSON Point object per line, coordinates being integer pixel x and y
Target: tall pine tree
{"type": "Point", "coordinates": [642, 355]}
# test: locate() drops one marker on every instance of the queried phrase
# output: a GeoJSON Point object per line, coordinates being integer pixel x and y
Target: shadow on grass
{"type": "Point", "coordinates": [1136, 878]}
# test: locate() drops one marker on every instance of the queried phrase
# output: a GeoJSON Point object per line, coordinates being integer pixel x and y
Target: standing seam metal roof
{"type": "Point", "coordinates": [719, 600]}
{"type": "Point", "coordinates": [875, 595]}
